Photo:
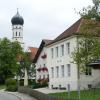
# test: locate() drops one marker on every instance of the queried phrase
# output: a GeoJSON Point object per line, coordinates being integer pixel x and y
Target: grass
{"type": "Point", "coordinates": [2, 87]}
{"type": "Point", "coordinates": [93, 94]}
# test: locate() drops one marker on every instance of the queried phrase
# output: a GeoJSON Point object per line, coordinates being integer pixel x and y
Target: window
{"type": "Point", "coordinates": [68, 48]}
{"type": "Point", "coordinates": [52, 72]}
{"type": "Point", "coordinates": [52, 53]}
{"type": "Point", "coordinates": [57, 71]}
{"type": "Point", "coordinates": [13, 34]}
{"type": "Point", "coordinates": [16, 33]}
{"type": "Point", "coordinates": [88, 71]}
{"type": "Point", "coordinates": [69, 70]}
{"type": "Point", "coordinates": [56, 51]}
{"type": "Point", "coordinates": [62, 70]}
{"type": "Point", "coordinates": [62, 50]}
{"type": "Point", "coordinates": [19, 33]}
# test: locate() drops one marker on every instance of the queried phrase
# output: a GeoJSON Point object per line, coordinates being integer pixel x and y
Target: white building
{"type": "Point", "coordinates": [17, 28]}
{"type": "Point", "coordinates": [41, 62]}
{"type": "Point", "coordinates": [62, 72]}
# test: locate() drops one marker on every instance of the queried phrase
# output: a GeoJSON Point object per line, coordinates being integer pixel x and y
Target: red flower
{"type": "Point", "coordinates": [45, 69]}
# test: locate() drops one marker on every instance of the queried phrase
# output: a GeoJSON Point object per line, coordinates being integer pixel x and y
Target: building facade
{"type": "Point", "coordinates": [62, 71]}
{"type": "Point", "coordinates": [41, 63]}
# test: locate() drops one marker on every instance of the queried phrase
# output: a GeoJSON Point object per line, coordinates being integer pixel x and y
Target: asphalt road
{"type": "Point", "coordinates": [7, 96]}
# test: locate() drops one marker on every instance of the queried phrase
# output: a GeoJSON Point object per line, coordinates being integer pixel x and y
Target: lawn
{"type": "Point", "coordinates": [2, 87]}
{"type": "Point", "coordinates": [93, 94]}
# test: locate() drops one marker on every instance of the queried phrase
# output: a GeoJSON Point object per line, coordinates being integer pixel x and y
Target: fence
{"type": "Point", "coordinates": [39, 95]}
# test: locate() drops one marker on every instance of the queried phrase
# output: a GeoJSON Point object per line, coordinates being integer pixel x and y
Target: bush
{"type": "Point", "coordinates": [21, 82]}
{"type": "Point", "coordinates": [39, 85]}
{"type": "Point", "coordinates": [11, 85]}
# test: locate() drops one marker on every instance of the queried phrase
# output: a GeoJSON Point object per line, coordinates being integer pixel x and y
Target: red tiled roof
{"type": "Point", "coordinates": [33, 51]}
{"type": "Point", "coordinates": [75, 29]}
{"type": "Point", "coordinates": [69, 32]}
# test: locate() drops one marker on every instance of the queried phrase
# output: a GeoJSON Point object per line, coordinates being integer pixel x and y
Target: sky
{"type": "Point", "coordinates": [43, 19]}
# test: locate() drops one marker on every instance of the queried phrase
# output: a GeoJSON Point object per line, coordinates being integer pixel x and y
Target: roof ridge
{"type": "Point", "coordinates": [74, 28]}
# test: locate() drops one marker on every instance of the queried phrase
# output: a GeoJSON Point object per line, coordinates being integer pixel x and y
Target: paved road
{"type": "Point", "coordinates": [7, 96]}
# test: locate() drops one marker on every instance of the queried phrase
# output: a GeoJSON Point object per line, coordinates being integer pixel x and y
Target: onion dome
{"type": "Point", "coordinates": [17, 19]}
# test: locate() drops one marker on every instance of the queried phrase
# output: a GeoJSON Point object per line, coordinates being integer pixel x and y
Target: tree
{"type": "Point", "coordinates": [91, 11]}
{"type": "Point", "coordinates": [88, 45]}
{"type": "Point", "coordinates": [8, 58]}
{"type": "Point", "coordinates": [27, 68]}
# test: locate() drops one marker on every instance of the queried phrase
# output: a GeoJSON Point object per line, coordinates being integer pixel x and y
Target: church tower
{"type": "Point", "coordinates": [17, 28]}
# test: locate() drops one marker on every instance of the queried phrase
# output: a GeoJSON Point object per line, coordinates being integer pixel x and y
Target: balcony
{"type": "Point", "coordinates": [44, 56]}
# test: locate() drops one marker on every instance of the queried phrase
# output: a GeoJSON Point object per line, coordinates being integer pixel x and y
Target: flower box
{"type": "Point", "coordinates": [39, 69]}
{"type": "Point", "coordinates": [45, 69]}
{"type": "Point", "coordinates": [44, 56]}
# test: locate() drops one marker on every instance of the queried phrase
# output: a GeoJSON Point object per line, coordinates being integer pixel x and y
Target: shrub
{"type": "Point", "coordinates": [11, 85]}
{"type": "Point", "coordinates": [21, 82]}
{"type": "Point", "coordinates": [39, 85]}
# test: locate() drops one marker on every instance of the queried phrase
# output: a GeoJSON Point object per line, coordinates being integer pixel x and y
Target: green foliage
{"type": "Point", "coordinates": [91, 11]}
{"type": "Point", "coordinates": [8, 58]}
{"type": "Point", "coordinates": [88, 50]}
{"type": "Point", "coordinates": [11, 84]}
{"type": "Point", "coordinates": [2, 87]}
{"type": "Point", "coordinates": [26, 63]}
{"type": "Point", "coordinates": [39, 85]}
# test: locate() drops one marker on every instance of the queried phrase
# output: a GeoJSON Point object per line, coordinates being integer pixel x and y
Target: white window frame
{"type": "Point", "coordinates": [57, 51]}
{"type": "Point", "coordinates": [57, 71]}
{"type": "Point", "coordinates": [52, 72]}
{"type": "Point", "coordinates": [62, 71]}
{"type": "Point", "coordinates": [69, 70]}
{"type": "Point", "coordinates": [62, 50]}
{"type": "Point", "coordinates": [52, 53]}
{"type": "Point", "coordinates": [68, 47]}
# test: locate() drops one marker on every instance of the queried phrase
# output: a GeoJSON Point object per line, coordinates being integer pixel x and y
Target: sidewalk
{"type": "Point", "coordinates": [20, 96]}
{"type": "Point", "coordinates": [47, 90]}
